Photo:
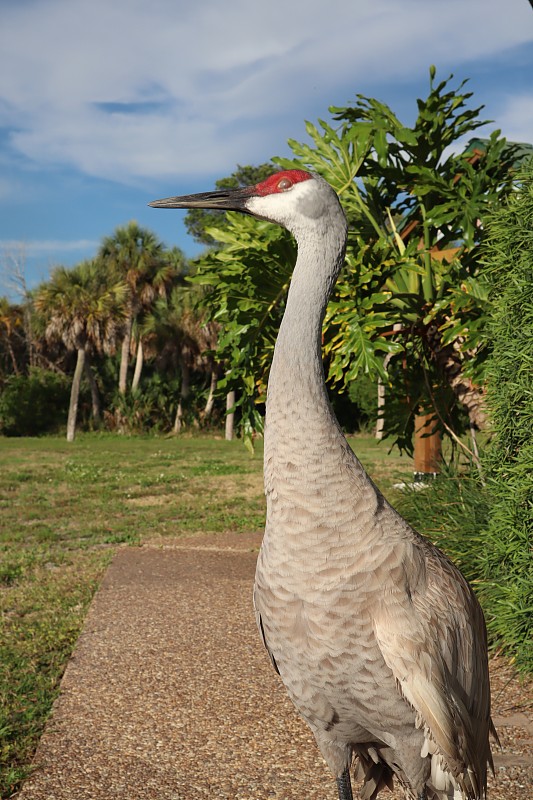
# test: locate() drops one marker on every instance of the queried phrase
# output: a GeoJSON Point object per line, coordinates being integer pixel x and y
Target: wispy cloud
{"type": "Point", "coordinates": [123, 90]}
{"type": "Point", "coordinates": [104, 106]}
{"type": "Point", "coordinates": [43, 247]}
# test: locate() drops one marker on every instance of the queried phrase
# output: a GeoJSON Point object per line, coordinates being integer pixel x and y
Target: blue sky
{"type": "Point", "coordinates": [108, 104]}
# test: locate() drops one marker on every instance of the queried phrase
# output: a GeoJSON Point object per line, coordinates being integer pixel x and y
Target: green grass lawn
{"type": "Point", "coordinates": [64, 508]}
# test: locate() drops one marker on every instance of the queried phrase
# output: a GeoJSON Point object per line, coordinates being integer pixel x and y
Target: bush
{"type": "Point", "coordinates": [152, 408]}
{"type": "Point", "coordinates": [34, 404]}
{"type": "Point", "coordinates": [488, 529]}
{"type": "Point", "coordinates": [508, 549]}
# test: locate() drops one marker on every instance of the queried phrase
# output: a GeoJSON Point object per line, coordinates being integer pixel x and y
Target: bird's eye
{"type": "Point", "coordinates": [284, 184]}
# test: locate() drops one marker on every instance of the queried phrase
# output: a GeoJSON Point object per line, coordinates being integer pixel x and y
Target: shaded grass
{"type": "Point", "coordinates": [64, 508]}
{"type": "Point", "coordinates": [453, 512]}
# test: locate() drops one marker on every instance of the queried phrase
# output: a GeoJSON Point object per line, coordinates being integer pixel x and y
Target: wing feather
{"type": "Point", "coordinates": [431, 632]}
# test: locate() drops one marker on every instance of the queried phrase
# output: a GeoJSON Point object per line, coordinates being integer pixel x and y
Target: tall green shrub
{"type": "Point", "coordinates": [33, 404]}
{"type": "Point", "coordinates": [508, 556]}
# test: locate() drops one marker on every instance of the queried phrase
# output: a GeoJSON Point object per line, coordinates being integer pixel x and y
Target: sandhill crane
{"type": "Point", "coordinates": [376, 635]}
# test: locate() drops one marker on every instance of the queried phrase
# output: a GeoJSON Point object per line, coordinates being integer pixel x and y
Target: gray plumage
{"type": "Point", "coordinates": [378, 638]}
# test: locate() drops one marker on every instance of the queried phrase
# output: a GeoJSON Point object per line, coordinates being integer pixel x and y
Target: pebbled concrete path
{"type": "Point", "coordinates": [170, 696]}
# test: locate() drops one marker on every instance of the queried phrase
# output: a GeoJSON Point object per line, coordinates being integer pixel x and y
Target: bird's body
{"type": "Point", "coordinates": [377, 637]}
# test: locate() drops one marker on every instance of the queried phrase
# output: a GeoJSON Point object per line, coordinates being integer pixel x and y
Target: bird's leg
{"type": "Point", "coordinates": [344, 786]}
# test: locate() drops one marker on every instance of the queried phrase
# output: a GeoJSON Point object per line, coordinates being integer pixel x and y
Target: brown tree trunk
{"type": "Point", "coordinates": [74, 395]}
{"type": "Point", "coordinates": [427, 446]}
{"type": "Point", "coordinates": [471, 396]}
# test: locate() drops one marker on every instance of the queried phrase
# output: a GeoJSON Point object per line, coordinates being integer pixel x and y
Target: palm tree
{"type": "Point", "coordinates": [177, 268]}
{"type": "Point", "coordinates": [83, 309]}
{"type": "Point", "coordinates": [11, 327]}
{"type": "Point", "coordinates": [135, 256]}
{"type": "Point", "coordinates": [183, 342]}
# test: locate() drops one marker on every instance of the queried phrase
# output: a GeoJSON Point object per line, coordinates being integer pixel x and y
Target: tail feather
{"type": "Point", "coordinates": [375, 776]}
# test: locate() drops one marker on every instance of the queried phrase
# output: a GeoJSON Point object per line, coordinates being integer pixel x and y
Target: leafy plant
{"type": "Point", "coordinates": [414, 285]}
{"type": "Point", "coordinates": [411, 302]}
{"type": "Point", "coordinates": [246, 280]}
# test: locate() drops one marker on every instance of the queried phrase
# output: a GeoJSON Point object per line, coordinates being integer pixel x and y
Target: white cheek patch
{"type": "Point", "coordinates": [282, 207]}
{"type": "Point", "coordinates": [261, 207]}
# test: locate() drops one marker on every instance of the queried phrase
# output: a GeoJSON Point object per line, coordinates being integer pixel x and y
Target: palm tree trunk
{"type": "Point", "coordinates": [139, 361]}
{"type": "Point", "coordinates": [13, 358]}
{"type": "Point", "coordinates": [28, 330]}
{"type": "Point", "coordinates": [382, 397]}
{"type": "Point", "coordinates": [451, 363]}
{"type": "Point", "coordinates": [125, 356]}
{"type": "Point", "coordinates": [74, 395]}
{"type": "Point", "coordinates": [380, 422]}
{"type": "Point", "coordinates": [210, 404]}
{"type": "Point", "coordinates": [184, 393]}
{"type": "Point", "coordinates": [95, 394]}
{"type": "Point", "coordinates": [230, 415]}
{"type": "Point", "coordinates": [471, 396]}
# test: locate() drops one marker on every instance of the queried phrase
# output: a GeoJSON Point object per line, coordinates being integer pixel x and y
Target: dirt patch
{"type": "Point", "coordinates": [152, 500]}
{"type": "Point", "coordinates": [249, 486]}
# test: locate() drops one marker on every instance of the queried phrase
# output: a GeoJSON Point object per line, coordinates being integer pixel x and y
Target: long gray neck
{"type": "Point", "coordinates": [305, 449]}
{"type": "Point", "coordinates": [296, 376]}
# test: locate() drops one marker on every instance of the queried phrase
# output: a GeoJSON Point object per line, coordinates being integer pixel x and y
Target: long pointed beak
{"type": "Point", "coordinates": [227, 199]}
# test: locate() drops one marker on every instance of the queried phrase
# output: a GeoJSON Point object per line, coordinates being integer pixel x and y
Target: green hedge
{"type": "Point", "coordinates": [508, 551]}
{"type": "Point", "coordinates": [486, 526]}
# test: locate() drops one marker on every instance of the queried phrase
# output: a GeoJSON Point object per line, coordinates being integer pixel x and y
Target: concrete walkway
{"type": "Point", "coordinates": [170, 696]}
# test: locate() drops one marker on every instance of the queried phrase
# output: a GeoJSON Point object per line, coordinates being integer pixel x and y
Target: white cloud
{"type": "Point", "coordinates": [204, 86]}
{"type": "Point", "coordinates": [42, 247]}
{"type": "Point", "coordinates": [518, 113]}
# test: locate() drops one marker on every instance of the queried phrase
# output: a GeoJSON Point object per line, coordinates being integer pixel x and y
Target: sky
{"type": "Point", "coordinates": [108, 104]}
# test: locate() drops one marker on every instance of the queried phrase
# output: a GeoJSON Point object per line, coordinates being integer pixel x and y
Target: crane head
{"type": "Point", "coordinates": [286, 197]}
{"type": "Point", "coordinates": [236, 199]}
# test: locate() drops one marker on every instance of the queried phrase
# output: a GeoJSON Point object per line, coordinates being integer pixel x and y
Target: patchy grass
{"type": "Point", "coordinates": [64, 508]}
